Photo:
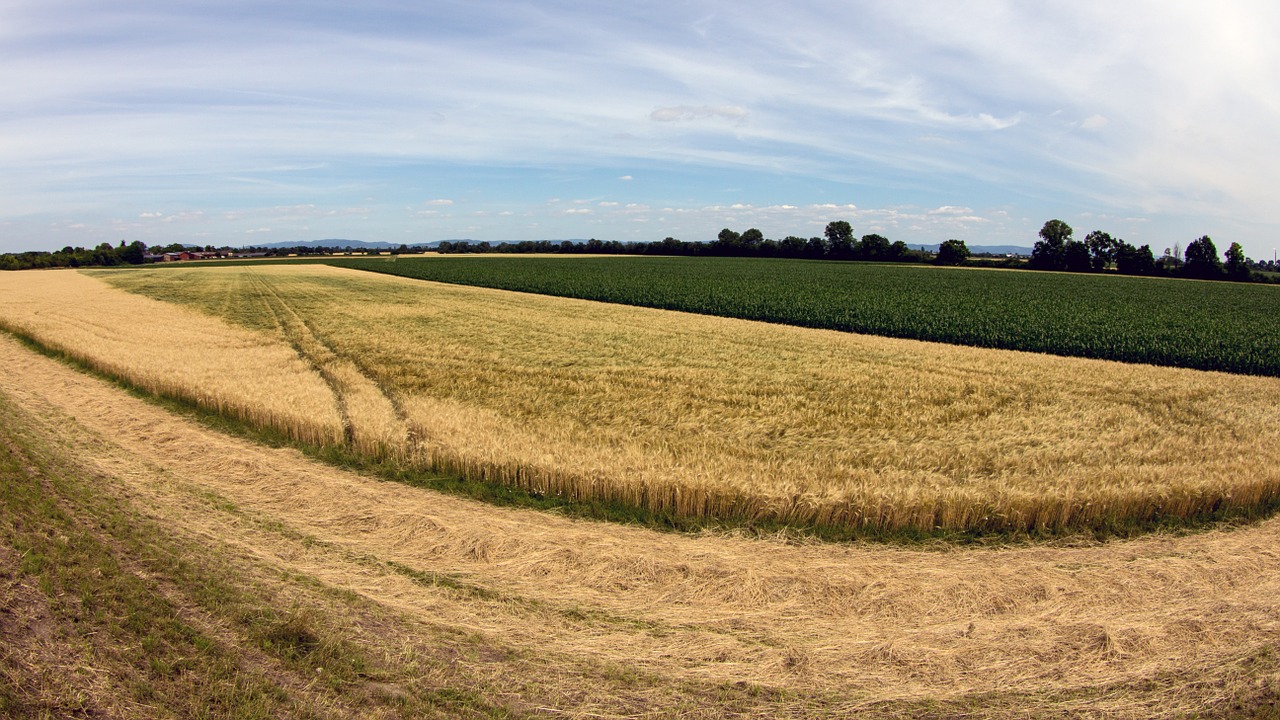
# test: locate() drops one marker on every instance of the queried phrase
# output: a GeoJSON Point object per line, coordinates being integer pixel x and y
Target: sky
{"type": "Point", "coordinates": [233, 123]}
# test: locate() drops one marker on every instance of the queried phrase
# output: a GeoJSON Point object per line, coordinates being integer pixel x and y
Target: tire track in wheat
{"type": "Point", "coordinates": [372, 422]}
{"type": "Point", "coordinates": [313, 294]}
{"type": "Point", "coordinates": [264, 295]}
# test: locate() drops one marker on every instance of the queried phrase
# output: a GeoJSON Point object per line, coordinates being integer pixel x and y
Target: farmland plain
{"type": "Point", "coordinates": [150, 564]}
{"type": "Point", "coordinates": [692, 418]}
{"type": "Point", "coordinates": [1229, 327]}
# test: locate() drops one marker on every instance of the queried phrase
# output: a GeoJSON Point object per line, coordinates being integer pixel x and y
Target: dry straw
{"type": "Point", "coordinates": [172, 351]}
{"type": "Point", "coordinates": [710, 417]}
{"type": "Point", "coordinates": [1161, 626]}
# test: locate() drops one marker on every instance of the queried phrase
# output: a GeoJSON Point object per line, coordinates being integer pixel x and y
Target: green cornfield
{"type": "Point", "coordinates": [1230, 327]}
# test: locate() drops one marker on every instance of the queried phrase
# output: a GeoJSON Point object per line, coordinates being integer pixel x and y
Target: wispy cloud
{"type": "Point", "coordinates": [700, 112]}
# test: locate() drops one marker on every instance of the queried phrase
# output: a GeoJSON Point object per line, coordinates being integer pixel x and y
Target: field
{"type": "Point", "coordinates": [153, 564]}
{"type": "Point", "coordinates": [692, 421]}
{"type": "Point", "coordinates": [153, 567]}
{"type": "Point", "coordinates": [1230, 327]}
{"type": "Point", "coordinates": [173, 352]}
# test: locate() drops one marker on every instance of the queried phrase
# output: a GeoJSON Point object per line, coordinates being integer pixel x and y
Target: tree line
{"type": "Point", "coordinates": [1099, 251]}
{"type": "Point", "coordinates": [104, 255]}
{"type": "Point", "coordinates": [837, 242]}
{"type": "Point", "coordinates": [1055, 250]}
{"type": "Point", "coordinates": [137, 253]}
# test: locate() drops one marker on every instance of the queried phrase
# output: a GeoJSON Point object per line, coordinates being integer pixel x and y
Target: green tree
{"type": "Point", "coordinates": [1075, 257]}
{"type": "Point", "coordinates": [792, 246]}
{"type": "Point", "coordinates": [875, 247]}
{"type": "Point", "coordinates": [750, 240]}
{"type": "Point", "coordinates": [727, 242]}
{"type": "Point", "coordinates": [1202, 259]}
{"type": "Point", "coordinates": [1102, 249]}
{"type": "Point", "coordinates": [951, 252]}
{"type": "Point", "coordinates": [839, 239]}
{"type": "Point", "coordinates": [133, 254]}
{"type": "Point", "coordinates": [1134, 261]}
{"type": "Point", "coordinates": [1237, 263]}
{"type": "Point", "coordinates": [1049, 252]}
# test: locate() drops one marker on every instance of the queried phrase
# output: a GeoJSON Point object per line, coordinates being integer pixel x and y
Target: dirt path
{"type": "Point", "coordinates": [1161, 625]}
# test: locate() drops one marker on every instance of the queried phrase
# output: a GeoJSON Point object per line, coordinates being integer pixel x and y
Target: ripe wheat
{"type": "Point", "coordinates": [710, 417]}
{"type": "Point", "coordinates": [172, 351]}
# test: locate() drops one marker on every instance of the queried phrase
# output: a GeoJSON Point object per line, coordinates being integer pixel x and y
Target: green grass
{"type": "Point", "coordinates": [96, 564]}
{"type": "Point", "coordinates": [1231, 327]}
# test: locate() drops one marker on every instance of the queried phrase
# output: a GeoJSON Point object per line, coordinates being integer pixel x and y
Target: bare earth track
{"type": "Point", "coordinates": [1159, 626]}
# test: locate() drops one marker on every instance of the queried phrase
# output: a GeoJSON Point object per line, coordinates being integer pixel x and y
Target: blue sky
{"type": "Point", "coordinates": [234, 122]}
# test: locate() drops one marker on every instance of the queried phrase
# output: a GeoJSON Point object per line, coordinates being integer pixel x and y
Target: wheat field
{"type": "Point", "coordinates": [171, 351]}
{"type": "Point", "coordinates": [711, 417]}
{"type": "Point", "coordinates": [527, 614]}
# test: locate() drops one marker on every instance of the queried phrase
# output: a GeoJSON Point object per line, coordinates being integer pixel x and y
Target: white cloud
{"type": "Point", "coordinates": [1094, 122]}
{"type": "Point", "coordinates": [700, 112]}
{"type": "Point", "coordinates": [439, 201]}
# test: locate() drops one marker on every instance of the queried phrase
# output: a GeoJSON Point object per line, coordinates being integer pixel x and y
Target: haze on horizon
{"type": "Point", "coordinates": [236, 122]}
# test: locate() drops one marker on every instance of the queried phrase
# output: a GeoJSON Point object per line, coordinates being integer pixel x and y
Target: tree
{"type": "Point", "coordinates": [1102, 249]}
{"type": "Point", "coordinates": [875, 247]}
{"type": "Point", "coordinates": [1237, 264]}
{"type": "Point", "coordinates": [1075, 257]}
{"type": "Point", "coordinates": [1134, 261]}
{"type": "Point", "coordinates": [791, 246]}
{"type": "Point", "coordinates": [1202, 259]}
{"type": "Point", "coordinates": [1050, 251]}
{"type": "Point", "coordinates": [133, 254]}
{"type": "Point", "coordinates": [951, 252]}
{"type": "Point", "coordinates": [727, 242]}
{"type": "Point", "coordinates": [839, 239]}
{"type": "Point", "coordinates": [750, 240]}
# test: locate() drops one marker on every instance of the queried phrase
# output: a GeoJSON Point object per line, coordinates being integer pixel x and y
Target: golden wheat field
{"type": "Point", "coordinates": [695, 416]}
{"type": "Point", "coordinates": [407, 603]}
{"type": "Point", "coordinates": [172, 351]}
